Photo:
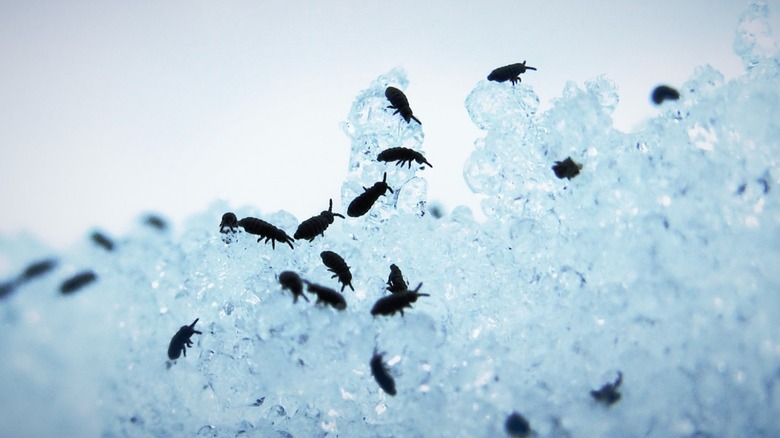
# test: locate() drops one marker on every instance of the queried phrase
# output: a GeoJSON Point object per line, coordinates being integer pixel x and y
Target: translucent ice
{"type": "Point", "coordinates": [657, 262]}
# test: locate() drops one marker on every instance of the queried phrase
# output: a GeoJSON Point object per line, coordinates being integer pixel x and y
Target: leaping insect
{"type": "Point", "coordinates": [360, 205]}
{"type": "Point", "coordinates": [181, 340]}
{"type": "Point", "coordinates": [395, 282]}
{"type": "Point", "coordinates": [292, 282]}
{"type": "Point", "coordinates": [608, 394]}
{"type": "Point", "coordinates": [102, 240]}
{"type": "Point", "coordinates": [509, 72]}
{"type": "Point", "coordinates": [338, 267]}
{"type": "Point", "coordinates": [265, 230]}
{"type": "Point", "coordinates": [396, 302]}
{"type": "Point", "coordinates": [316, 225]}
{"type": "Point", "coordinates": [402, 156]}
{"type": "Point", "coordinates": [38, 269]}
{"type": "Point", "coordinates": [229, 223]}
{"type": "Point", "coordinates": [381, 375]}
{"type": "Point", "coordinates": [400, 104]}
{"type": "Point", "coordinates": [664, 92]}
{"type": "Point", "coordinates": [566, 168]}
{"type": "Point", "coordinates": [77, 281]}
{"type": "Point", "coordinates": [326, 295]}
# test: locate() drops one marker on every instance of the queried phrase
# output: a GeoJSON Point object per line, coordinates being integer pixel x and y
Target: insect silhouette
{"type": "Point", "coordinates": [316, 225]}
{"type": "Point", "coordinates": [259, 402]}
{"type": "Point", "coordinates": [229, 223]}
{"type": "Point", "coordinates": [381, 375]}
{"type": "Point", "coordinates": [327, 295]}
{"type": "Point", "coordinates": [608, 394]}
{"type": "Point", "coordinates": [395, 282]}
{"type": "Point", "coordinates": [402, 156]}
{"type": "Point", "coordinates": [400, 104]}
{"type": "Point", "coordinates": [181, 340]}
{"type": "Point", "coordinates": [566, 168]}
{"type": "Point", "coordinates": [664, 92]}
{"type": "Point", "coordinates": [265, 230]}
{"type": "Point", "coordinates": [37, 269]}
{"type": "Point", "coordinates": [509, 72]}
{"type": "Point", "coordinates": [155, 221]}
{"type": "Point", "coordinates": [292, 282]}
{"type": "Point", "coordinates": [338, 267]}
{"type": "Point", "coordinates": [516, 425]}
{"type": "Point", "coordinates": [396, 302]}
{"type": "Point", "coordinates": [360, 205]}
{"type": "Point", "coordinates": [77, 281]}
{"type": "Point", "coordinates": [102, 240]}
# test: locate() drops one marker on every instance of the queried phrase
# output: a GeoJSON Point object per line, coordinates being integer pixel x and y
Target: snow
{"type": "Point", "coordinates": [657, 261]}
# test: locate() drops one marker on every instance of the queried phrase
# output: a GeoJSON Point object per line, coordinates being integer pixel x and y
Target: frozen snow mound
{"type": "Point", "coordinates": [656, 263]}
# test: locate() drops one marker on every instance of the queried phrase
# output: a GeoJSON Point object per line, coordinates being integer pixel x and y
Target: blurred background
{"type": "Point", "coordinates": [113, 109]}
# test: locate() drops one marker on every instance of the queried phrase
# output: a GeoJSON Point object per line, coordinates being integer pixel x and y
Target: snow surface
{"type": "Point", "coordinates": [659, 261]}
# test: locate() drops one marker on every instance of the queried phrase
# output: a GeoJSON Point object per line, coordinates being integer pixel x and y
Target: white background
{"type": "Point", "coordinates": [111, 109]}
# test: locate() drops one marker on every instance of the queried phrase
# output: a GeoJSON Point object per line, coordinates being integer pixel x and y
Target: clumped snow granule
{"type": "Point", "coordinates": [656, 263]}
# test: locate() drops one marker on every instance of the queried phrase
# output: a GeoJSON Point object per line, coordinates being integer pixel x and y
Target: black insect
{"type": "Point", "coordinates": [38, 269]}
{"type": "Point", "coordinates": [155, 221]}
{"type": "Point", "coordinates": [608, 394]}
{"type": "Point", "coordinates": [395, 282]}
{"type": "Point", "coordinates": [102, 240]}
{"type": "Point", "coordinates": [509, 72]}
{"type": "Point", "coordinates": [664, 92]}
{"type": "Point", "coordinates": [265, 230]}
{"type": "Point", "coordinates": [396, 302]}
{"type": "Point", "coordinates": [400, 104]}
{"type": "Point", "coordinates": [381, 375]}
{"type": "Point", "coordinates": [338, 267]}
{"type": "Point", "coordinates": [360, 205]}
{"type": "Point", "coordinates": [181, 340]}
{"type": "Point", "coordinates": [566, 168]}
{"type": "Point", "coordinates": [316, 225]}
{"type": "Point", "coordinates": [516, 425]}
{"type": "Point", "coordinates": [403, 156]}
{"type": "Point", "coordinates": [259, 402]}
{"type": "Point", "coordinates": [229, 223]}
{"type": "Point", "coordinates": [292, 282]}
{"type": "Point", "coordinates": [77, 282]}
{"type": "Point", "coordinates": [436, 210]}
{"type": "Point", "coordinates": [327, 295]}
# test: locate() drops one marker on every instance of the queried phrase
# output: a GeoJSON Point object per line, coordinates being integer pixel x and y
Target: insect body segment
{"type": "Point", "coordinates": [395, 282]}
{"type": "Point", "coordinates": [402, 156]}
{"type": "Point", "coordinates": [292, 282]}
{"type": "Point", "coordinates": [327, 295]}
{"type": "Point", "coordinates": [381, 375]}
{"type": "Point", "coordinates": [360, 205]}
{"type": "Point", "coordinates": [339, 267]}
{"type": "Point", "coordinates": [316, 225]}
{"type": "Point", "coordinates": [265, 230]}
{"type": "Point", "coordinates": [181, 340]}
{"type": "Point", "coordinates": [395, 303]}
{"type": "Point", "coordinates": [400, 104]}
{"type": "Point", "coordinates": [509, 72]}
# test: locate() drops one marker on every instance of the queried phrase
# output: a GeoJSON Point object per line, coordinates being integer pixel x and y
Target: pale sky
{"type": "Point", "coordinates": [112, 109]}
